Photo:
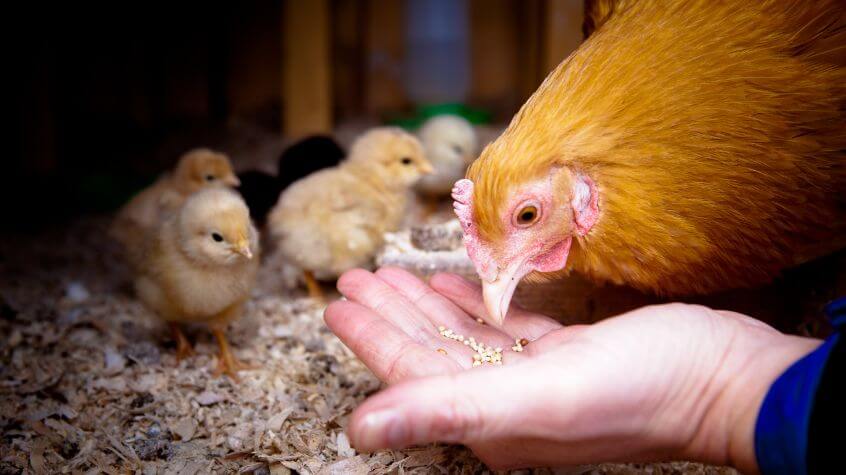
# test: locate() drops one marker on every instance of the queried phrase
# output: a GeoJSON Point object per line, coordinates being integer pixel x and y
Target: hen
{"type": "Point", "coordinates": [685, 147]}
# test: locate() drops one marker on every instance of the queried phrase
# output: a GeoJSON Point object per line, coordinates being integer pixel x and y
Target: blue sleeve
{"type": "Point", "coordinates": [782, 427]}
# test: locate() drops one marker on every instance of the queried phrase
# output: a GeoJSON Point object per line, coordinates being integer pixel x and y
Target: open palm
{"type": "Point", "coordinates": [392, 320]}
{"type": "Point", "coordinates": [643, 386]}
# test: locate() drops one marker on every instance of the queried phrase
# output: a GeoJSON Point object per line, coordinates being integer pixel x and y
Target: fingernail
{"type": "Point", "coordinates": [383, 429]}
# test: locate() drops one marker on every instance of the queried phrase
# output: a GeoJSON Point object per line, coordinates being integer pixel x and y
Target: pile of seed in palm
{"type": "Point", "coordinates": [483, 354]}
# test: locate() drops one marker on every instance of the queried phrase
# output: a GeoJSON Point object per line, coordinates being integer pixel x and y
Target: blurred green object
{"type": "Point", "coordinates": [423, 113]}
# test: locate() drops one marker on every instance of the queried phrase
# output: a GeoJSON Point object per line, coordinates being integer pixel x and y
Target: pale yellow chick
{"type": "Point", "coordinates": [451, 144]}
{"type": "Point", "coordinates": [196, 169]}
{"type": "Point", "coordinates": [334, 220]}
{"type": "Point", "coordinates": [200, 265]}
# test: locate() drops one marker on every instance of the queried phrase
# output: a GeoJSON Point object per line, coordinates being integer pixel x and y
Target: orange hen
{"type": "Point", "coordinates": [684, 147]}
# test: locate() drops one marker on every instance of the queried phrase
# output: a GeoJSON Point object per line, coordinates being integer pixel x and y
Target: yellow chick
{"type": "Point", "coordinates": [450, 143]}
{"type": "Point", "coordinates": [196, 169]}
{"type": "Point", "coordinates": [334, 220]}
{"type": "Point", "coordinates": [199, 267]}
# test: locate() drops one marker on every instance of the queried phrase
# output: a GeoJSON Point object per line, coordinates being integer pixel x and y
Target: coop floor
{"type": "Point", "coordinates": [89, 381]}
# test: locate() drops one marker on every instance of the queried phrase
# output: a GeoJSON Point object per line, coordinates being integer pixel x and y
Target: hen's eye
{"type": "Point", "coordinates": [527, 215]}
{"type": "Point", "coordinates": [210, 177]}
{"type": "Point", "coordinates": [457, 149]}
{"type": "Point", "coordinates": [217, 237]}
{"type": "Point", "coordinates": [406, 161]}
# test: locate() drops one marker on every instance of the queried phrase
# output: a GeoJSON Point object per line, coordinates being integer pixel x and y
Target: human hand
{"type": "Point", "coordinates": [662, 382]}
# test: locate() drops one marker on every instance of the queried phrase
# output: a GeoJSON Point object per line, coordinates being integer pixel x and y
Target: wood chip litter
{"type": "Point", "coordinates": [89, 382]}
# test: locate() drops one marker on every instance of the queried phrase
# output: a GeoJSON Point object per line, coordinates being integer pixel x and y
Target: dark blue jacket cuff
{"type": "Point", "coordinates": [781, 430]}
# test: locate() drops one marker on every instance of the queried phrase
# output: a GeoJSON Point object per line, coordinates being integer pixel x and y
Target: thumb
{"type": "Point", "coordinates": [465, 407]}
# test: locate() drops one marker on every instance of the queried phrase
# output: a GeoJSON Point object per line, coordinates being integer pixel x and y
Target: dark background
{"type": "Point", "coordinates": [105, 96]}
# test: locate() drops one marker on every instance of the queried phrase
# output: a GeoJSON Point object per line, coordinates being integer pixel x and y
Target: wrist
{"type": "Point", "coordinates": [754, 362]}
{"type": "Point", "coordinates": [765, 371]}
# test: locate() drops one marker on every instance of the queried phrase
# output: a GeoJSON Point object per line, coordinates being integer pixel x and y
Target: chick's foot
{"type": "Point", "coordinates": [227, 363]}
{"type": "Point", "coordinates": [313, 286]}
{"type": "Point", "coordinates": [183, 346]}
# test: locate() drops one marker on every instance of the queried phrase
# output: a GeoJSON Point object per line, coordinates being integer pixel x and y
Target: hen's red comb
{"type": "Point", "coordinates": [462, 193]}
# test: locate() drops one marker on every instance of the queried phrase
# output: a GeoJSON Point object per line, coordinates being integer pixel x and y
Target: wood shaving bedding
{"type": "Point", "coordinates": [89, 380]}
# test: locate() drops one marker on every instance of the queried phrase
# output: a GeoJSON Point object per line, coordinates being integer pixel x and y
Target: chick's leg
{"type": "Point", "coordinates": [183, 346]}
{"type": "Point", "coordinates": [313, 286]}
{"type": "Point", "coordinates": [227, 363]}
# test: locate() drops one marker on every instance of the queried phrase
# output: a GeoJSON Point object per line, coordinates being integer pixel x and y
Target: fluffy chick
{"type": "Point", "coordinates": [196, 169]}
{"type": "Point", "coordinates": [334, 220]}
{"type": "Point", "coordinates": [199, 267]}
{"type": "Point", "coordinates": [261, 190]}
{"type": "Point", "coordinates": [450, 144]}
{"type": "Point", "coordinates": [306, 157]}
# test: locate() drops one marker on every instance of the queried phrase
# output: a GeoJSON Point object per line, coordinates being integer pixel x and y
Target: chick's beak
{"type": "Point", "coordinates": [498, 292]}
{"type": "Point", "coordinates": [231, 180]}
{"type": "Point", "coordinates": [243, 248]}
{"type": "Point", "coordinates": [426, 168]}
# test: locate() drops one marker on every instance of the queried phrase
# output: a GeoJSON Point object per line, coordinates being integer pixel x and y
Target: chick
{"type": "Point", "coordinates": [199, 266]}
{"type": "Point", "coordinates": [261, 190]}
{"type": "Point", "coordinates": [450, 144]}
{"type": "Point", "coordinates": [196, 169]}
{"type": "Point", "coordinates": [334, 220]}
{"type": "Point", "coordinates": [306, 157]}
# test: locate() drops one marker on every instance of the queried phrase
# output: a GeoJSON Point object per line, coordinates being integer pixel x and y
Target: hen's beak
{"type": "Point", "coordinates": [243, 248]}
{"type": "Point", "coordinates": [232, 180]}
{"type": "Point", "coordinates": [498, 292]}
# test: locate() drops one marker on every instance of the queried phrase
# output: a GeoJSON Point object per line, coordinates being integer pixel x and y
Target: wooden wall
{"type": "Point", "coordinates": [513, 45]}
{"type": "Point", "coordinates": [100, 86]}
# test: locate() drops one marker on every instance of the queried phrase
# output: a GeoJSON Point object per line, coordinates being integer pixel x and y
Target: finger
{"type": "Point", "coordinates": [384, 349]}
{"type": "Point", "coordinates": [554, 339]}
{"type": "Point", "coordinates": [371, 291]}
{"type": "Point", "coordinates": [464, 407]}
{"type": "Point", "coordinates": [518, 324]}
{"type": "Point", "coordinates": [440, 310]}
{"type": "Point", "coordinates": [365, 288]}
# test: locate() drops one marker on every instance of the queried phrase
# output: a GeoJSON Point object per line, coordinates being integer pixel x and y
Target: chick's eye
{"type": "Point", "coordinates": [457, 149]}
{"type": "Point", "coordinates": [527, 215]}
{"type": "Point", "coordinates": [406, 161]}
{"type": "Point", "coordinates": [210, 177]}
{"type": "Point", "coordinates": [217, 237]}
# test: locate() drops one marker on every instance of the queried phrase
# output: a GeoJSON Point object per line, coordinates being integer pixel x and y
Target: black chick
{"type": "Point", "coordinates": [261, 190]}
{"type": "Point", "coordinates": [306, 157]}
